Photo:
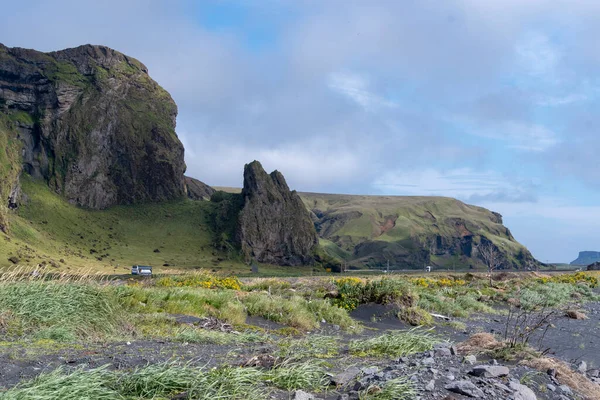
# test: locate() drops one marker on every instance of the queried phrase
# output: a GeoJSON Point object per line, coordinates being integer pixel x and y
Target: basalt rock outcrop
{"type": "Point", "coordinates": [274, 225]}
{"type": "Point", "coordinates": [91, 123]}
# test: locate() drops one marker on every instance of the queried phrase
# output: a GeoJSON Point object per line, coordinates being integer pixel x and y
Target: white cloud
{"type": "Point", "coordinates": [538, 57]}
{"type": "Point", "coordinates": [520, 135]}
{"type": "Point", "coordinates": [463, 183]}
{"type": "Point", "coordinates": [357, 88]}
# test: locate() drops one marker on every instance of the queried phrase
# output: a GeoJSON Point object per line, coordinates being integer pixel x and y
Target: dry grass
{"type": "Point", "coordinates": [566, 376]}
{"type": "Point", "coordinates": [479, 342]}
{"type": "Point", "coordinates": [574, 314]}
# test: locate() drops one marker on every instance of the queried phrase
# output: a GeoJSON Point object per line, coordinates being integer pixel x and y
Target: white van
{"type": "Point", "coordinates": [141, 270]}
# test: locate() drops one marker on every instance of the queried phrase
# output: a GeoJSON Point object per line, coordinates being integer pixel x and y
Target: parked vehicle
{"type": "Point", "coordinates": [141, 270]}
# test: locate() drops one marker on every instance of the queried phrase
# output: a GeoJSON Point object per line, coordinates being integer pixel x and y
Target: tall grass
{"type": "Point", "coordinates": [61, 308]}
{"type": "Point", "coordinates": [59, 385]}
{"type": "Point", "coordinates": [396, 389]}
{"type": "Point", "coordinates": [292, 375]}
{"type": "Point", "coordinates": [394, 344]}
{"type": "Point", "coordinates": [167, 380]}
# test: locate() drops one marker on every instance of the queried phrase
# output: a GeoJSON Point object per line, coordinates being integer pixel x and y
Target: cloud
{"type": "Point", "coordinates": [466, 184]}
{"type": "Point", "coordinates": [357, 88]}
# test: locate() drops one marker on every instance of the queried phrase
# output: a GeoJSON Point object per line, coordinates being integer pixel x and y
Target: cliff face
{"type": "Point", "coordinates": [92, 124]}
{"type": "Point", "coordinates": [274, 225]}
{"type": "Point", "coordinates": [587, 258]}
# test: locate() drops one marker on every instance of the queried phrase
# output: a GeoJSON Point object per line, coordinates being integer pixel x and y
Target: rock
{"type": "Point", "coordinates": [14, 260]}
{"type": "Point", "coordinates": [302, 395]}
{"type": "Point", "coordinates": [582, 367]}
{"type": "Point", "coordinates": [343, 378]}
{"type": "Point", "coordinates": [466, 388]}
{"type": "Point", "coordinates": [594, 267]}
{"type": "Point", "coordinates": [453, 350]}
{"type": "Point", "coordinates": [522, 392]}
{"type": "Point", "coordinates": [197, 190]}
{"type": "Point", "coordinates": [594, 373]}
{"type": "Point", "coordinates": [470, 359]}
{"type": "Point", "coordinates": [93, 125]}
{"type": "Point", "coordinates": [551, 387]}
{"type": "Point", "coordinates": [430, 387]}
{"type": "Point", "coordinates": [490, 371]}
{"type": "Point", "coordinates": [370, 370]}
{"type": "Point", "coordinates": [428, 361]}
{"type": "Point", "coordinates": [442, 352]}
{"type": "Point", "coordinates": [565, 389]}
{"type": "Point", "coordinates": [274, 225]}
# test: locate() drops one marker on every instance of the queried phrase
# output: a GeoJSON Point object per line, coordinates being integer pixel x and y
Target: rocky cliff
{"type": "Point", "coordinates": [92, 124]}
{"type": "Point", "coordinates": [274, 225]}
{"type": "Point", "coordinates": [587, 258]}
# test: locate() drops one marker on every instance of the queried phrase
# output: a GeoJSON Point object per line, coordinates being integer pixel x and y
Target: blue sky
{"type": "Point", "coordinates": [493, 102]}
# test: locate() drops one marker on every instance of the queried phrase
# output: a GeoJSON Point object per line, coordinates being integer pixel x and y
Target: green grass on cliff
{"type": "Point", "coordinates": [48, 228]}
{"type": "Point", "coordinates": [417, 217]}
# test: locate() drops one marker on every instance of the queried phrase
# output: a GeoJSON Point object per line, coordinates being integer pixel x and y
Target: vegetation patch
{"type": "Point", "coordinates": [394, 344]}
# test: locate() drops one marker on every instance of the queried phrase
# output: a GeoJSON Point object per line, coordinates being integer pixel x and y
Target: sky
{"type": "Point", "coordinates": [493, 102]}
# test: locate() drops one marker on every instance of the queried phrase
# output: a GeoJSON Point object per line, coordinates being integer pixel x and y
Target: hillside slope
{"type": "Point", "coordinates": [410, 232]}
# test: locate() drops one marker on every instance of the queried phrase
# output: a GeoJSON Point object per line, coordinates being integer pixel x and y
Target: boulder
{"type": "Point", "coordinates": [466, 388]}
{"type": "Point", "coordinates": [343, 378]}
{"type": "Point", "coordinates": [522, 392]}
{"type": "Point", "coordinates": [490, 371]}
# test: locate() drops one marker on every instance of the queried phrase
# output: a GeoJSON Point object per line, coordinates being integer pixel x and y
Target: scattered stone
{"type": "Point", "coordinates": [582, 367]}
{"type": "Point", "coordinates": [522, 392]}
{"type": "Point", "coordinates": [490, 371]}
{"type": "Point", "coordinates": [453, 350]}
{"type": "Point", "coordinates": [442, 352]}
{"type": "Point", "coordinates": [428, 361]}
{"type": "Point", "coordinates": [430, 387]}
{"type": "Point", "coordinates": [466, 388]}
{"type": "Point", "coordinates": [302, 395]}
{"type": "Point", "coordinates": [565, 389]}
{"type": "Point", "coordinates": [470, 359]}
{"type": "Point", "coordinates": [343, 378]}
{"type": "Point", "coordinates": [370, 370]}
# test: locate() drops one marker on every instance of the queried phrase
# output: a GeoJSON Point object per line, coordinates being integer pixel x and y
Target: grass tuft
{"type": "Point", "coordinates": [394, 344]}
